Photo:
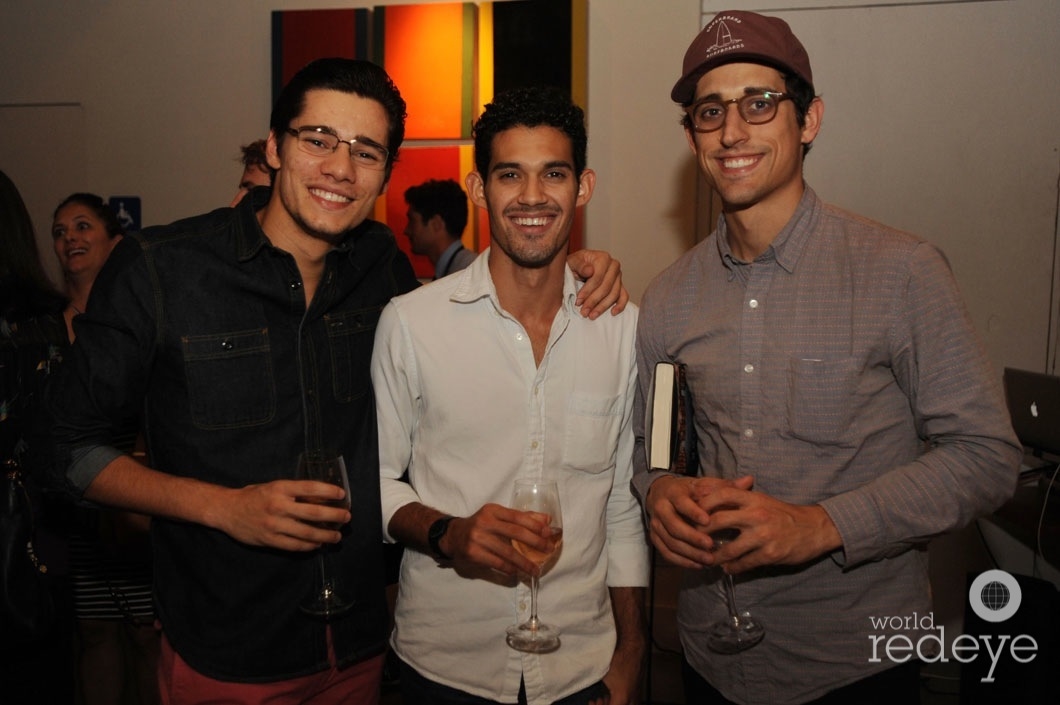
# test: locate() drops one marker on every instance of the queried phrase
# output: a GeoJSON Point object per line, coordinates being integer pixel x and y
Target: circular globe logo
{"type": "Point", "coordinates": [994, 596]}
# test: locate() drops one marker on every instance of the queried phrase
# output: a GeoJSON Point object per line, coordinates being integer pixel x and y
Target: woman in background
{"type": "Point", "coordinates": [32, 342]}
{"type": "Point", "coordinates": [109, 550]}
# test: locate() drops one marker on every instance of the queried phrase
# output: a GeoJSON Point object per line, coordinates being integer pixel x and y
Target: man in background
{"type": "Point", "coordinates": [833, 365]}
{"type": "Point", "coordinates": [256, 169]}
{"type": "Point", "coordinates": [488, 376]}
{"type": "Point", "coordinates": [437, 216]}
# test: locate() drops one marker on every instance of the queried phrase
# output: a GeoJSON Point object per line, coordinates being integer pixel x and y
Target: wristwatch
{"type": "Point", "coordinates": [435, 534]}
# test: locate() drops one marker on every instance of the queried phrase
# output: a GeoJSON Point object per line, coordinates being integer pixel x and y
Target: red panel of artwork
{"type": "Point", "coordinates": [300, 36]}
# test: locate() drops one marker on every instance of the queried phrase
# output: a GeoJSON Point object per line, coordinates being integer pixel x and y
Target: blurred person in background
{"type": "Point", "coordinates": [34, 667]}
{"type": "Point", "coordinates": [256, 169]}
{"type": "Point", "coordinates": [437, 216]}
{"type": "Point", "coordinates": [110, 561]}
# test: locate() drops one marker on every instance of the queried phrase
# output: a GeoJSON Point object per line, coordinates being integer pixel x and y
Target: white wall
{"type": "Point", "coordinates": [944, 119]}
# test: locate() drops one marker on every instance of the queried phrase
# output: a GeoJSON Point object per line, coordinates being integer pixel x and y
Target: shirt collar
{"type": "Point", "coordinates": [251, 239]}
{"type": "Point", "coordinates": [442, 267]}
{"type": "Point", "coordinates": [475, 282]}
{"type": "Point", "coordinates": [787, 247]}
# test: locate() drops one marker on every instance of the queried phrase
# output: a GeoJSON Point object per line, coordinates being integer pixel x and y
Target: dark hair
{"type": "Point", "coordinates": [364, 78]}
{"type": "Point", "coordinates": [98, 206]}
{"type": "Point", "coordinates": [25, 290]}
{"type": "Point", "coordinates": [802, 94]}
{"type": "Point", "coordinates": [254, 154]}
{"type": "Point", "coordinates": [443, 198]}
{"type": "Point", "coordinates": [530, 107]}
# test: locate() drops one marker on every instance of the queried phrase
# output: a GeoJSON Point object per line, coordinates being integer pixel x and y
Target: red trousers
{"type": "Point", "coordinates": [356, 685]}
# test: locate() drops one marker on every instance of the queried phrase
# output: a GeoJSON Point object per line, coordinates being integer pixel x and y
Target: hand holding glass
{"type": "Point", "coordinates": [325, 600]}
{"type": "Point", "coordinates": [739, 630]}
{"type": "Point", "coordinates": [541, 496]}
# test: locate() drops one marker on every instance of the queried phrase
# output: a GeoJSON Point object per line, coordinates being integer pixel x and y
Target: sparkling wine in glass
{"type": "Point", "coordinates": [325, 599]}
{"type": "Point", "coordinates": [541, 496]}
{"type": "Point", "coordinates": [739, 630]}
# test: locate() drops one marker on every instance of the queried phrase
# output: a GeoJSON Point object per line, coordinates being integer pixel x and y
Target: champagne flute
{"type": "Point", "coordinates": [739, 630]}
{"type": "Point", "coordinates": [325, 466]}
{"type": "Point", "coordinates": [540, 496]}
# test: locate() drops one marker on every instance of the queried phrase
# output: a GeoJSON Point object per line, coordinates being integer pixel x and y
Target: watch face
{"type": "Point", "coordinates": [435, 534]}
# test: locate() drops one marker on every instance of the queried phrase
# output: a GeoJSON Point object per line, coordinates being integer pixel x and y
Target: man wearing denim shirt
{"type": "Point", "coordinates": [245, 335]}
{"type": "Point", "coordinates": [831, 363]}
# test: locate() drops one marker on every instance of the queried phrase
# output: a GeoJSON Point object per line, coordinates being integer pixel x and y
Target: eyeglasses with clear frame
{"type": "Point", "coordinates": [708, 114]}
{"type": "Point", "coordinates": [322, 141]}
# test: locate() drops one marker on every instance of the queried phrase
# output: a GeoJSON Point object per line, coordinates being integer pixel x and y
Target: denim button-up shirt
{"type": "Point", "coordinates": [203, 325]}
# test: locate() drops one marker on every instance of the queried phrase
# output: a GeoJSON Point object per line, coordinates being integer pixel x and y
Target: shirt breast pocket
{"type": "Point", "coordinates": [230, 379]}
{"type": "Point", "coordinates": [351, 335]}
{"type": "Point", "coordinates": [821, 400]}
{"type": "Point", "coordinates": [590, 441]}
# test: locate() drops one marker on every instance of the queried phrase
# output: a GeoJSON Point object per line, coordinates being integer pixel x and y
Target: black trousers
{"type": "Point", "coordinates": [900, 684]}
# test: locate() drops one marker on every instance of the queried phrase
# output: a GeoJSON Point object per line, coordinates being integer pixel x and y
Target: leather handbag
{"type": "Point", "coordinates": [27, 612]}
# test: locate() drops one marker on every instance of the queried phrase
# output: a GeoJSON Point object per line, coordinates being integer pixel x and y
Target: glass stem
{"type": "Point", "coordinates": [730, 597]}
{"type": "Point", "coordinates": [325, 589]}
{"type": "Point", "coordinates": [533, 603]}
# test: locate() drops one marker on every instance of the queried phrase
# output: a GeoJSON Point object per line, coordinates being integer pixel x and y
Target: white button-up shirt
{"type": "Point", "coordinates": [464, 407]}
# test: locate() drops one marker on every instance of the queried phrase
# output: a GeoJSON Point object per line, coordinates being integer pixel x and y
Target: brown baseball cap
{"type": "Point", "coordinates": [741, 36]}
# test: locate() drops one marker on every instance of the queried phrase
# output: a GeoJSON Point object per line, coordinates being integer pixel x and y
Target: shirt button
{"type": "Point", "coordinates": [226, 344]}
{"type": "Point", "coordinates": [518, 336]}
{"type": "Point", "coordinates": [753, 303]}
{"type": "Point", "coordinates": [533, 444]}
{"type": "Point", "coordinates": [748, 433]}
{"type": "Point", "coordinates": [296, 285]}
{"type": "Point", "coordinates": [748, 368]}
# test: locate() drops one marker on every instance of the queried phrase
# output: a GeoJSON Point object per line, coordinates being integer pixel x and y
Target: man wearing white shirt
{"type": "Point", "coordinates": [490, 375]}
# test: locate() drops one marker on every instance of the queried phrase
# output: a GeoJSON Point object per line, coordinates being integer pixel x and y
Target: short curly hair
{"type": "Point", "coordinates": [530, 107]}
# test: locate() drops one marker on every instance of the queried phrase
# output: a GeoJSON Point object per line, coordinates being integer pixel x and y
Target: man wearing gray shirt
{"type": "Point", "coordinates": [844, 408]}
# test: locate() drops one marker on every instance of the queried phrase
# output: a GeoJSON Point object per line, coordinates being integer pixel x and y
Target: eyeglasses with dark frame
{"type": "Point", "coordinates": [708, 114]}
{"type": "Point", "coordinates": [322, 141]}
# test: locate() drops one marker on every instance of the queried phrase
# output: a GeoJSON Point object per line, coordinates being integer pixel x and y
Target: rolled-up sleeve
{"type": "Point", "coordinates": [627, 546]}
{"type": "Point", "coordinates": [394, 381]}
{"type": "Point", "coordinates": [102, 382]}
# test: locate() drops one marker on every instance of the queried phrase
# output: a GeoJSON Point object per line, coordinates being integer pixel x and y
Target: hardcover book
{"type": "Point", "coordinates": [671, 437]}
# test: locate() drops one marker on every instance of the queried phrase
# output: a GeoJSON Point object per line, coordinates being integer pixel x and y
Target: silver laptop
{"type": "Point", "coordinates": [1033, 400]}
